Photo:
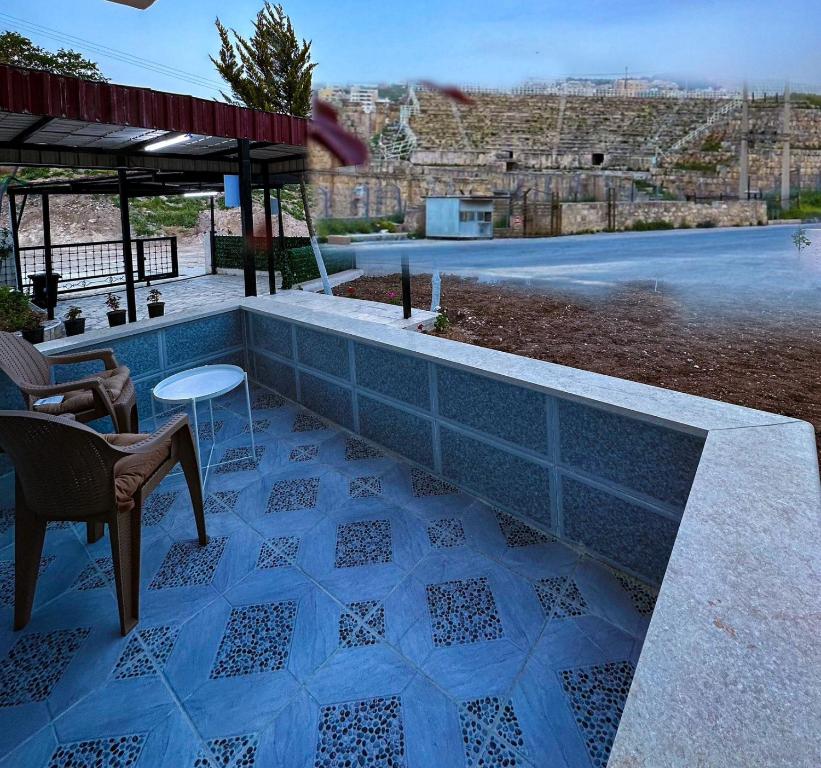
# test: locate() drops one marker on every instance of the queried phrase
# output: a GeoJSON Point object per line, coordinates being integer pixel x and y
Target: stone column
{"type": "Point", "coordinates": [785, 151]}
{"type": "Point", "coordinates": [743, 154]}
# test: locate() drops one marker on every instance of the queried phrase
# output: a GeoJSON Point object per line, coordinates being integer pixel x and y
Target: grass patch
{"type": "Point", "coordinates": [696, 165]}
{"type": "Point", "coordinates": [155, 215]}
{"type": "Point", "coordinates": [325, 227]}
{"type": "Point", "coordinates": [809, 208]}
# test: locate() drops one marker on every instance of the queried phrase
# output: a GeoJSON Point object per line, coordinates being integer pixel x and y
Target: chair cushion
{"type": "Point", "coordinates": [77, 401]}
{"type": "Point", "coordinates": [132, 471]}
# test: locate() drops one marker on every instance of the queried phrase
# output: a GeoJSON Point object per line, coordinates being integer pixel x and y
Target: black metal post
{"type": "Point", "coordinates": [246, 203]}
{"type": "Point", "coordinates": [284, 264]}
{"type": "Point", "coordinates": [128, 260]}
{"type": "Point", "coordinates": [269, 231]}
{"type": "Point", "coordinates": [213, 240]}
{"type": "Point", "coordinates": [406, 287]}
{"type": "Point", "coordinates": [15, 238]}
{"type": "Point", "coordinates": [50, 301]}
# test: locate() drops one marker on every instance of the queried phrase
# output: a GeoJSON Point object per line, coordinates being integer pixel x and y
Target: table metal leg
{"type": "Point", "coordinates": [250, 419]}
{"type": "Point", "coordinates": [197, 439]}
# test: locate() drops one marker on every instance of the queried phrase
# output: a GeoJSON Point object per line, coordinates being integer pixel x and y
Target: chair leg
{"type": "Point", "coordinates": [29, 533]}
{"type": "Point", "coordinates": [125, 551]}
{"type": "Point", "coordinates": [94, 532]}
{"type": "Point", "coordinates": [135, 419]}
{"type": "Point", "coordinates": [191, 469]}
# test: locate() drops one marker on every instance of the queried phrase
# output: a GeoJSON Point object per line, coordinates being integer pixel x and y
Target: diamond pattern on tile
{"type": "Point", "coordinates": [207, 431]}
{"type": "Point", "coordinates": [187, 564]}
{"type": "Point", "coordinates": [98, 574]}
{"type": "Point", "coordinates": [136, 661]}
{"type": "Point", "coordinates": [560, 597]}
{"type": "Point", "coordinates": [644, 599]}
{"type": "Point", "coordinates": [361, 733]}
{"type": "Point", "coordinates": [290, 495]}
{"type": "Point", "coordinates": [229, 752]}
{"type": "Point", "coordinates": [463, 611]}
{"type": "Point", "coordinates": [267, 401]}
{"type": "Point", "coordinates": [490, 733]}
{"type": "Point", "coordinates": [304, 453]}
{"type": "Point", "coordinates": [365, 487]}
{"type": "Point", "coordinates": [7, 578]}
{"type": "Point", "coordinates": [221, 501]}
{"type": "Point", "coordinates": [36, 663]}
{"type": "Point", "coordinates": [260, 425]}
{"type": "Point", "coordinates": [278, 552]}
{"type": "Point", "coordinates": [519, 534]}
{"type": "Point", "coordinates": [428, 485]}
{"type": "Point", "coordinates": [111, 752]}
{"type": "Point", "coordinates": [446, 532]}
{"type": "Point", "coordinates": [240, 460]}
{"type": "Point", "coordinates": [156, 506]}
{"type": "Point", "coordinates": [597, 695]}
{"type": "Point", "coordinates": [356, 450]}
{"type": "Point", "coordinates": [366, 542]}
{"type": "Point", "coordinates": [257, 638]}
{"type": "Point", "coordinates": [362, 623]}
{"type": "Point", "coordinates": [307, 422]}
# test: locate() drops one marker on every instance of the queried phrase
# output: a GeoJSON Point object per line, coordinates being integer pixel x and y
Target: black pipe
{"type": "Point", "coordinates": [406, 287]}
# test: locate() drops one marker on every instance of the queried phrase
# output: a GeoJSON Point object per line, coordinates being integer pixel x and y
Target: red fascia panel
{"type": "Point", "coordinates": [29, 91]}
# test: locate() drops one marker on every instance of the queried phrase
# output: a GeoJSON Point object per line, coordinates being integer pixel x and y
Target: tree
{"type": "Point", "coordinates": [19, 51]}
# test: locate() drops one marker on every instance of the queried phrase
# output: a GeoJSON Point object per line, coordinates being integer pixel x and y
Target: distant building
{"type": "Point", "coordinates": [363, 94]}
{"type": "Point", "coordinates": [459, 217]}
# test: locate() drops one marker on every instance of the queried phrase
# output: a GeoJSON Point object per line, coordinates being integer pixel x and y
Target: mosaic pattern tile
{"type": "Point", "coordinates": [207, 431]}
{"type": "Point", "coordinates": [7, 578]}
{"type": "Point", "coordinates": [36, 663]}
{"type": "Point", "coordinates": [290, 495]}
{"type": "Point", "coordinates": [400, 431]}
{"type": "Point", "coordinates": [365, 487]}
{"type": "Point", "coordinates": [329, 400]}
{"type": "Point", "coordinates": [427, 485]}
{"type": "Point", "coordinates": [229, 752]}
{"type": "Point", "coordinates": [267, 401]}
{"type": "Point", "coordinates": [361, 733]}
{"type": "Point", "coordinates": [490, 733]}
{"type": "Point", "coordinates": [112, 752]}
{"type": "Point", "coordinates": [519, 534]}
{"type": "Point", "coordinates": [156, 506]}
{"type": "Point", "coordinates": [278, 552]}
{"type": "Point", "coordinates": [303, 453]}
{"type": "Point", "coordinates": [62, 525]}
{"type": "Point", "coordinates": [240, 460]}
{"type": "Point", "coordinates": [596, 696]}
{"type": "Point", "coordinates": [447, 532]}
{"type": "Point", "coordinates": [147, 649]}
{"type": "Point", "coordinates": [560, 597]}
{"type": "Point", "coordinates": [356, 450]}
{"type": "Point", "coordinates": [98, 574]}
{"type": "Point", "coordinates": [6, 520]}
{"type": "Point", "coordinates": [356, 621]}
{"type": "Point", "coordinates": [221, 501]}
{"type": "Point", "coordinates": [307, 422]}
{"type": "Point", "coordinates": [272, 335]}
{"type": "Point", "coordinates": [187, 564]}
{"type": "Point", "coordinates": [463, 611]}
{"type": "Point", "coordinates": [323, 351]}
{"type": "Point", "coordinates": [260, 425]}
{"type": "Point", "coordinates": [644, 599]}
{"type": "Point", "coordinates": [257, 638]}
{"type": "Point", "coordinates": [366, 542]}
{"type": "Point", "coordinates": [394, 374]}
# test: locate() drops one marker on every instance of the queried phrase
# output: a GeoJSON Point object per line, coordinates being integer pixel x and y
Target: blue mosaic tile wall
{"type": "Point", "coordinates": [614, 485]}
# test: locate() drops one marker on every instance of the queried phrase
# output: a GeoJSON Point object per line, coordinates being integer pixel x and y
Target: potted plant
{"type": "Point", "coordinates": [156, 307]}
{"type": "Point", "coordinates": [73, 322]}
{"type": "Point", "coordinates": [16, 314]}
{"type": "Point", "coordinates": [116, 316]}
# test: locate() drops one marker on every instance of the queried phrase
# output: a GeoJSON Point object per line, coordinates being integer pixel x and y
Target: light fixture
{"type": "Point", "coordinates": [163, 143]}
{"type": "Point", "coordinates": [211, 193]}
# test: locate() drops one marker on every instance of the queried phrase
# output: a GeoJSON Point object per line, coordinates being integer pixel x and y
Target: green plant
{"type": "Point", "coordinates": [6, 245]}
{"type": "Point", "coordinates": [647, 226]}
{"type": "Point", "coordinates": [711, 144]}
{"type": "Point", "coordinates": [73, 313]}
{"type": "Point", "coordinates": [800, 239]}
{"type": "Point", "coordinates": [706, 224]}
{"type": "Point", "coordinates": [112, 301]}
{"type": "Point", "coordinates": [154, 296]}
{"type": "Point", "coordinates": [696, 165]}
{"type": "Point", "coordinates": [16, 313]}
{"type": "Point", "coordinates": [393, 298]}
{"type": "Point", "coordinates": [441, 323]}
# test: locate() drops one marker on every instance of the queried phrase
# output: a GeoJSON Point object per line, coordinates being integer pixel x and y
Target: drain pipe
{"type": "Point", "coordinates": [320, 263]}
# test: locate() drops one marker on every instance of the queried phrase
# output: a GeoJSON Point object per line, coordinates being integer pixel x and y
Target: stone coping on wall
{"type": "Point", "coordinates": [729, 674]}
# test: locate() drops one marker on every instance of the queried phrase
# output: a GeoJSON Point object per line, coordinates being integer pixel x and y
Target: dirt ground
{"type": "Point", "coordinates": [767, 359]}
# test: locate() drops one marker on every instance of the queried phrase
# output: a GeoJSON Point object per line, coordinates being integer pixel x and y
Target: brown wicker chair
{"type": "Point", "coordinates": [107, 393]}
{"type": "Point", "coordinates": [67, 471]}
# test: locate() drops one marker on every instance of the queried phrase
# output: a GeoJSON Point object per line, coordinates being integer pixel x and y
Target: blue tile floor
{"type": "Point", "coordinates": [349, 610]}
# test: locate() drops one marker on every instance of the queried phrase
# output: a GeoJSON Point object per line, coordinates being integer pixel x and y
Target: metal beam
{"type": "Point", "coordinates": [249, 266]}
{"type": "Point", "coordinates": [27, 133]}
{"type": "Point", "coordinates": [128, 260]}
{"type": "Point", "coordinates": [50, 301]}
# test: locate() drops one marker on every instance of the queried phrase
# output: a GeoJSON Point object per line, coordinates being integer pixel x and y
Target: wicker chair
{"type": "Point", "coordinates": [67, 471]}
{"type": "Point", "coordinates": [107, 393]}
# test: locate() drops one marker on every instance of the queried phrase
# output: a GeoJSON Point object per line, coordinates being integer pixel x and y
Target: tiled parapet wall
{"type": "Point", "coordinates": [613, 484]}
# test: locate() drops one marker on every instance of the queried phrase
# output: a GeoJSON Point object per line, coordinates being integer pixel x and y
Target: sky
{"type": "Point", "coordinates": [496, 44]}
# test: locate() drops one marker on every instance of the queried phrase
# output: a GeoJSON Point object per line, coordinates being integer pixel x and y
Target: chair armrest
{"type": "Point", "coordinates": [69, 358]}
{"type": "Point", "coordinates": [178, 423]}
{"type": "Point", "coordinates": [46, 390]}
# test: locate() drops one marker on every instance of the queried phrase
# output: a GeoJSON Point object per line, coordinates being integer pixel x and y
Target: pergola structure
{"type": "Point", "coordinates": [154, 143]}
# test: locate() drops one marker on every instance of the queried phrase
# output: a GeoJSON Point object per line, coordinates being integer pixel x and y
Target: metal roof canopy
{"type": "Point", "coordinates": [58, 121]}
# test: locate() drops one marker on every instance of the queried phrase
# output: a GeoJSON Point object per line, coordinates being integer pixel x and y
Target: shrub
{"type": "Point", "coordinates": [112, 301]}
{"type": "Point", "coordinates": [706, 224]}
{"type": "Point", "coordinates": [16, 313]}
{"type": "Point", "coordinates": [441, 324]}
{"type": "Point", "coordinates": [154, 296]}
{"type": "Point", "coordinates": [73, 313]}
{"type": "Point", "coordinates": [647, 226]}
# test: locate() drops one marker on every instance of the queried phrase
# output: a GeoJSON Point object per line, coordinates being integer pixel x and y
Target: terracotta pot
{"type": "Point", "coordinates": [156, 309]}
{"type": "Point", "coordinates": [116, 317]}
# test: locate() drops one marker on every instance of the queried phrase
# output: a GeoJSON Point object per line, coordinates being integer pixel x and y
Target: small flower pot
{"type": "Point", "coordinates": [74, 327]}
{"type": "Point", "coordinates": [33, 335]}
{"type": "Point", "coordinates": [116, 317]}
{"type": "Point", "coordinates": [156, 309]}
